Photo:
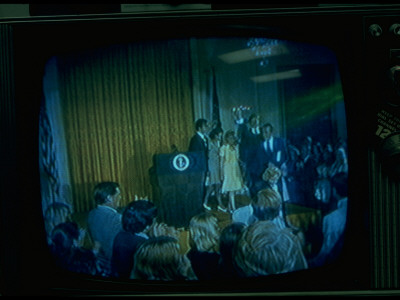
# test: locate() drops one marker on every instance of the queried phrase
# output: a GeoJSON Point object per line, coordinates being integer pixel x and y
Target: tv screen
{"type": "Point", "coordinates": [181, 153]}
{"type": "Point", "coordinates": [107, 112]}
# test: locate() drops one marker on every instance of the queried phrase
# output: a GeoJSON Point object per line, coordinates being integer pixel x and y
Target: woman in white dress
{"type": "Point", "coordinates": [232, 179]}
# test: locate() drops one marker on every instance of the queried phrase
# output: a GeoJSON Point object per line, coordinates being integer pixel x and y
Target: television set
{"type": "Point", "coordinates": [100, 96]}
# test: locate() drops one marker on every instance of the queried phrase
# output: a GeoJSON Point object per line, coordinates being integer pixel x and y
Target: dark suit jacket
{"type": "Point", "coordinates": [248, 143]}
{"type": "Point", "coordinates": [124, 248]}
{"type": "Point", "coordinates": [197, 144]}
{"type": "Point", "coordinates": [263, 157]}
{"type": "Point", "coordinates": [205, 264]}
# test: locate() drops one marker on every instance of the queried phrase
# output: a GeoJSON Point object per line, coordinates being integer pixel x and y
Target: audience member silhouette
{"type": "Point", "coordinates": [328, 155]}
{"type": "Point", "coordinates": [266, 249]}
{"type": "Point", "coordinates": [160, 258]}
{"type": "Point", "coordinates": [266, 206]}
{"type": "Point", "coordinates": [334, 223]}
{"type": "Point", "coordinates": [308, 173]}
{"type": "Point", "coordinates": [137, 217]}
{"type": "Point", "coordinates": [228, 240]}
{"type": "Point", "coordinates": [56, 213]}
{"type": "Point", "coordinates": [69, 254]}
{"type": "Point", "coordinates": [323, 189]}
{"type": "Point", "coordinates": [204, 240]}
{"type": "Point", "coordinates": [340, 164]}
{"type": "Point", "coordinates": [289, 185]}
{"type": "Point", "coordinates": [291, 169]}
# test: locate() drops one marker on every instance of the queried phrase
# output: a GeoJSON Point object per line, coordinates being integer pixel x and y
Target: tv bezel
{"type": "Point", "coordinates": [27, 267]}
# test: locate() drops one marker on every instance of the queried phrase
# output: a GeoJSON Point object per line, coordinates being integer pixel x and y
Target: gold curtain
{"type": "Point", "coordinates": [121, 105]}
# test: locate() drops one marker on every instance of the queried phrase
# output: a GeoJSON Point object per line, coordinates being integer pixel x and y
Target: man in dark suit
{"type": "Point", "coordinates": [199, 142]}
{"type": "Point", "coordinates": [249, 133]}
{"type": "Point", "coordinates": [274, 146]}
{"type": "Point", "coordinates": [269, 152]}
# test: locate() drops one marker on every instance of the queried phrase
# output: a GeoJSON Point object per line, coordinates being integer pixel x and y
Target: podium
{"type": "Point", "coordinates": [178, 186]}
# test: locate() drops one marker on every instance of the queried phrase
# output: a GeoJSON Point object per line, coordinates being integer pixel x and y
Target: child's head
{"type": "Point", "coordinates": [230, 137]}
{"type": "Point", "coordinates": [267, 204]}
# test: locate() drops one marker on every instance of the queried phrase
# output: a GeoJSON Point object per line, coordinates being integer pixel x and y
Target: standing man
{"type": "Point", "coordinates": [199, 142]}
{"type": "Point", "coordinates": [273, 145]}
{"type": "Point", "coordinates": [104, 222]}
{"type": "Point", "coordinates": [249, 134]}
{"type": "Point", "coordinates": [270, 152]}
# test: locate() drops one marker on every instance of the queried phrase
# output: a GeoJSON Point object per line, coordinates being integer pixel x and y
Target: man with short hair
{"type": "Point", "coordinates": [104, 221]}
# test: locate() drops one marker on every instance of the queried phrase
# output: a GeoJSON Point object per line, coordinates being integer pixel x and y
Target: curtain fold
{"type": "Point", "coordinates": [122, 104]}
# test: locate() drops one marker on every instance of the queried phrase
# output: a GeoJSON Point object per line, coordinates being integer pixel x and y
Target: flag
{"type": "Point", "coordinates": [48, 154]}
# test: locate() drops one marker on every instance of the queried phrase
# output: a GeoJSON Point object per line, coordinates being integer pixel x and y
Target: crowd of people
{"type": "Point", "coordinates": [142, 248]}
{"type": "Point", "coordinates": [259, 240]}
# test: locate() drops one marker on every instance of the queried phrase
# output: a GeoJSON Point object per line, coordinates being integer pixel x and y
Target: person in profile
{"type": "Point", "coordinates": [104, 221]}
{"type": "Point", "coordinates": [265, 249]}
{"type": "Point", "coordinates": [334, 223]}
{"type": "Point", "coordinates": [160, 258]}
{"type": "Point", "coordinates": [137, 217]}
{"type": "Point", "coordinates": [199, 141]}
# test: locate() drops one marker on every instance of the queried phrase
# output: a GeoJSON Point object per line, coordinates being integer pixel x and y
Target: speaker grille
{"type": "Point", "coordinates": [384, 217]}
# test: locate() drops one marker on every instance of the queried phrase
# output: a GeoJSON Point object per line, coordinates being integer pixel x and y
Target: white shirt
{"type": "Point", "coordinates": [269, 144]}
{"type": "Point", "coordinates": [203, 136]}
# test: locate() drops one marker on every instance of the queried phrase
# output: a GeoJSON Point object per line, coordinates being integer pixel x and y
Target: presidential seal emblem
{"type": "Point", "coordinates": [180, 162]}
